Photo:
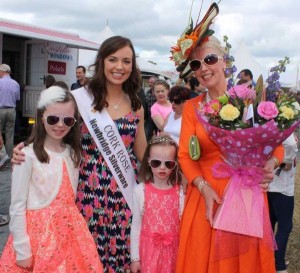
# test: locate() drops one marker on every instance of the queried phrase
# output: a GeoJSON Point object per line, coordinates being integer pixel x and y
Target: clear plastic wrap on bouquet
{"type": "Point", "coordinates": [243, 212]}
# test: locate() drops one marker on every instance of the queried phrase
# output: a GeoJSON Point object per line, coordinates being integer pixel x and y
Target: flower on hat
{"type": "Point", "coordinates": [190, 38]}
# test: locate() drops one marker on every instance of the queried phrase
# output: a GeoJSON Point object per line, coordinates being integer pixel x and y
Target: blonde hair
{"type": "Point", "coordinates": [211, 42]}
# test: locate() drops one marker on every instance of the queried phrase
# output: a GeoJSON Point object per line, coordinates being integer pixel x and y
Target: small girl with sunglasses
{"type": "Point", "coordinates": [157, 207]}
{"type": "Point", "coordinates": [48, 233]}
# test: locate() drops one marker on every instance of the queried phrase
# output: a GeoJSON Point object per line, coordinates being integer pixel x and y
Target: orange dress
{"type": "Point", "coordinates": [59, 237]}
{"type": "Point", "coordinates": [196, 246]}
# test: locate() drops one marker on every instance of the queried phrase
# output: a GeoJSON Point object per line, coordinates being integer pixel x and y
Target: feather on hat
{"type": "Point", "coordinates": [191, 38]}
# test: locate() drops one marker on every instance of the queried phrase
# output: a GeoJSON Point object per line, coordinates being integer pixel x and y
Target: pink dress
{"type": "Point", "coordinates": [59, 237]}
{"type": "Point", "coordinates": [160, 230]}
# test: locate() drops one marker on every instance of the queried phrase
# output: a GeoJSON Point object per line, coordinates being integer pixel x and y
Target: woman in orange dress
{"type": "Point", "coordinates": [197, 249]}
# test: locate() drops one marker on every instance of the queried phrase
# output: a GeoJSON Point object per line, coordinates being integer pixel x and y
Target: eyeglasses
{"type": "Point", "coordinates": [176, 101]}
{"type": "Point", "coordinates": [210, 59]}
{"type": "Point", "coordinates": [155, 163]}
{"type": "Point", "coordinates": [53, 119]}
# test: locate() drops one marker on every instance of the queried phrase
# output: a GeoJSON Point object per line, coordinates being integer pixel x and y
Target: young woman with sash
{"type": "Point", "coordinates": [113, 138]}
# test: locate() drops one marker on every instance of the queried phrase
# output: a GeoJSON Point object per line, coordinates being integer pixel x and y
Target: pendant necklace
{"type": "Point", "coordinates": [117, 106]}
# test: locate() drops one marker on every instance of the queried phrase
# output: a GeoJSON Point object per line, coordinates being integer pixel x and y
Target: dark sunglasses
{"type": "Point", "coordinates": [155, 163]}
{"type": "Point", "coordinates": [53, 119]}
{"type": "Point", "coordinates": [176, 101]}
{"type": "Point", "coordinates": [210, 59]}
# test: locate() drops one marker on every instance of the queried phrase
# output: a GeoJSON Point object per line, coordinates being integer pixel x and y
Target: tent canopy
{"type": "Point", "coordinates": [34, 32]}
{"type": "Point", "coordinates": [245, 60]}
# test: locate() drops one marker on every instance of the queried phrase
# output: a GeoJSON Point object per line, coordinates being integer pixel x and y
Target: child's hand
{"type": "Point", "coordinates": [28, 263]}
{"type": "Point", "coordinates": [135, 267]}
{"type": "Point", "coordinates": [18, 156]}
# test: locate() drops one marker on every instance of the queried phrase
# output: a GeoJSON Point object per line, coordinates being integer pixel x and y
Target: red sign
{"type": "Point", "coordinates": [57, 68]}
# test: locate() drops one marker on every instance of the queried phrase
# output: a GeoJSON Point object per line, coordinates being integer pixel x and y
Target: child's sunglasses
{"type": "Point", "coordinates": [155, 163]}
{"type": "Point", "coordinates": [53, 119]}
{"type": "Point", "coordinates": [210, 59]}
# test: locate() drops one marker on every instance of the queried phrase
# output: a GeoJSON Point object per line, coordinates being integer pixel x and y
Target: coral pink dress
{"type": "Point", "coordinates": [160, 230]}
{"type": "Point", "coordinates": [59, 237]}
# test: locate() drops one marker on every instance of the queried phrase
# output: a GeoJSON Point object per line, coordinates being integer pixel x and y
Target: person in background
{"type": "Point", "coordinates": [142, 97]}
{"type": "Point", "coordinates": [61, 84]}
{"type": "Point", "coordinates": [9, 95]}
{"type": "Point", "coordinates": [157, 207]}
{"type": "Point", "coordinates": [150, 127]}
{"type": "Point", "coordinates": [247, 75]}
{"type": "Point", "coordinates": [162, 107]}
{"type": "Point", "coordinates": [4, 159]}
{"type": "Point", "coordinates": [281, 201]}
{"type": "Point", "coordinates": [196, 87]}
{"type": "Point", "coordinates": [48, 233]}
{"type": "Point", "coordinates": [82, 80]}
{"type": "Point", "coordinates": [177, 97]}
{"type": "Point", "coordinates": [49, 81]}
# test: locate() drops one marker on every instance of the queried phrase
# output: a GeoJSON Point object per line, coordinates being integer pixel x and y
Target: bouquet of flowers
{"type": "Point", "coordinates": [247, 130]}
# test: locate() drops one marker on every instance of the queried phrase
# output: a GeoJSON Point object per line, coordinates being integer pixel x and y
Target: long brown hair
{"type": "Point", "coordinates": [38, 134]}
{"type": "Point", "coordinates": [97, 84]}
{"type": "Point", "coordinates": [145, 172]}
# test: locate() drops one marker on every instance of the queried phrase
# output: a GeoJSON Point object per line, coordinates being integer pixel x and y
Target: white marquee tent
{"type": "Point", "coordinates": [244, 59]}
{"type": "Point", "coordinates": [146, 67]}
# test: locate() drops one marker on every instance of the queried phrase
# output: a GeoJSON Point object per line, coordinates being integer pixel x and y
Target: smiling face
{"type": "Point", "coordinates": [55, 133]}
{"type": "Point", "coordinates": [118, 66]}
{"type": "Point", "coordinates": [209, 76]}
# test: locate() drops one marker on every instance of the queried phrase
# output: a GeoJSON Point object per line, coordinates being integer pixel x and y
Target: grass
{"type": "Point", "coordinates": [293, 250]}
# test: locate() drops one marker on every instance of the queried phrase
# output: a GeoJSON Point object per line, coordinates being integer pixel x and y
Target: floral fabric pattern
{"type": "Point", "coordinates": [102, 203]}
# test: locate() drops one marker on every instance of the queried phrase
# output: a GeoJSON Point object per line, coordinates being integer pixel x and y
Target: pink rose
{"type": "Point", "coordinates": [242, 91]}
{"type": "Point", "coordinates": [267, 110]}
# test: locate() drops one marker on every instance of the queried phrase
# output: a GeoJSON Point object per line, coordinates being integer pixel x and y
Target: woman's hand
{"type": "Point", "coordinates": [18, 156]}
{"type": "Point", "coordinates": [28, 263]}
{"type": "Point", "coordinates": [135, 267]}
{"type": "Point", "coordinates": [210, 196]}
{"type": "Point", "coordinates": [268, 174]}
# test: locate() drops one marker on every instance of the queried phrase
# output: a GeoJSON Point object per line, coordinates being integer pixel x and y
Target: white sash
{"type": "Point", "coordinates": [109, 142]}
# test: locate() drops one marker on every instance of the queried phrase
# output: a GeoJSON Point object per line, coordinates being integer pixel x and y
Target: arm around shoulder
{"type": "Point", "coordinates": [137, 212]}
{"type": "Point", "coordinates": [19, 192]}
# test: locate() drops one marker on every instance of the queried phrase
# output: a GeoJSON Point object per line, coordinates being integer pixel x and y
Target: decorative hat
{"type": "Point", "coordinates": [190, 38]}
{"type": "Point", "coordinates": [5, 68]}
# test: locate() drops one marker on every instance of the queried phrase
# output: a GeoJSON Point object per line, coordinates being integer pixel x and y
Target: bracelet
{"type": "Point", "coordinates": [135, 260]}
{"type": "Point", "coordinates": [276, 161]}
{"type": "Point", "coordinates": [201, 184]}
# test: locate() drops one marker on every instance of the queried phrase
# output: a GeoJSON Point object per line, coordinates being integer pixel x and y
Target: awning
{"type": "Point", "coordinates": [34, 32]}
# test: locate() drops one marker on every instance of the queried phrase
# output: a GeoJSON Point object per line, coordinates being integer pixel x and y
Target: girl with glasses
{"type": "Point", "coordinates": [157, 206]}
{"type": "Point", "coordinates": [48, 232]}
